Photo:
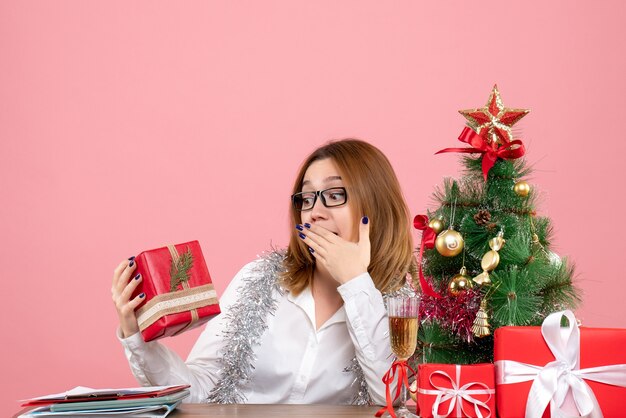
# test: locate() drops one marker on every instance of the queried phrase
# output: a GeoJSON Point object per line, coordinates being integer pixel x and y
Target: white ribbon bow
{"type": "Point", "coordinates": [552, 382]}
{"type": "Point", "coordinates": [456, 394]}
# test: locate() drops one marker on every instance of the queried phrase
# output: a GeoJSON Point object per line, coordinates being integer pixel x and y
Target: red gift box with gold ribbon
{"type": "Point", "coordinates": [556, 370]}
{"type": "Point", "coordinates": [454, 390]}
{"type": "Point", "coordinates": [179, 292]}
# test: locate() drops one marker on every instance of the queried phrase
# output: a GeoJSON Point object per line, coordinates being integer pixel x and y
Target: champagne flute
{"type": "Point", "coordinates": [403, 325]}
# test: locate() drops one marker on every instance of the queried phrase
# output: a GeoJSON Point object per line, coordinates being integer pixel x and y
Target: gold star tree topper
{"type": "Point", "coordinates": [494, 121]}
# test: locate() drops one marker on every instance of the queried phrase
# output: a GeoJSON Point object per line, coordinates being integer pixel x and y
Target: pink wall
{"type": "Point", "coordinates": [127, 125]}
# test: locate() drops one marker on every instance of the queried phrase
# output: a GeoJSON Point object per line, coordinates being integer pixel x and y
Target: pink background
{"type": "Point", "coordinates": [128, 125]}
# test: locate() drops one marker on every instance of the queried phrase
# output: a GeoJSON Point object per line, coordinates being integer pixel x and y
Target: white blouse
{"type": "Point", "coordinates": [295, 363]}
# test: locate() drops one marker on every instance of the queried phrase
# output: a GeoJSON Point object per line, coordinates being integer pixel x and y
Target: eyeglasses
{"type": "Point", "coordinates": [335, 196]}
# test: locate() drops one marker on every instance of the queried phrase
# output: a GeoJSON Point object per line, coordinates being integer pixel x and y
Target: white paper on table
{"type": "Point", "coordinates": [154, 411]}
{"type": "Point", "coordinates": [85, 391]}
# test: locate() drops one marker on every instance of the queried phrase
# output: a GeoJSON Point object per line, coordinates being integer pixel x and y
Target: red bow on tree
{"type": "Point", "coordinates": [491, 150]}
{"type": "Point", "coordinates": [428, 241]}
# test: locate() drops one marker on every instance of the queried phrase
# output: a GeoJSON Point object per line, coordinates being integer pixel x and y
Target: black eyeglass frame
{"type": "Point", "coordinates": [319, 193]}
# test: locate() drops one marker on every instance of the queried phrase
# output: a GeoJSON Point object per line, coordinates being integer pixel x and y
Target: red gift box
{"type": "Point", "coordinates": [454, 390]}
{"type": "Point", "coordinates": [178, 288]}
{"type": "Point", "coordinates": [592, 348]}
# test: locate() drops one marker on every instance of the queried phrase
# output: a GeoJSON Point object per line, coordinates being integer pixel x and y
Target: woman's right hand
{"type": "Point", "coordinates": [124, 284]}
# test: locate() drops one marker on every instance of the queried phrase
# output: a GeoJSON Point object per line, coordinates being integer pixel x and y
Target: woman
{"type": "Point", "coordinates": [307, 325]}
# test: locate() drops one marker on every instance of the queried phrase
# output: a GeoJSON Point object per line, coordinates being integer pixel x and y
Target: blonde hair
{"type": "Point", "coordinates": [374, 191]}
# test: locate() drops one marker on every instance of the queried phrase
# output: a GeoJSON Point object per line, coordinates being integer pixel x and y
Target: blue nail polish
{"type": "Point", "coordinates": [299, 227]}
{"type": "Point", "coordinates": [137, 277]}
{"type": "Point", "coordinates": [365, 220]}
{"type": "Point", "coordinates": [311, 250]}
{"type": "Point", "coordinates": [142, 295]}
{"type": "Point", "coordinates": [301, 235]}
{"type": "Point", "coordinates": [307, 225]}
{"type": "Point", "coordinates": [132, 263]}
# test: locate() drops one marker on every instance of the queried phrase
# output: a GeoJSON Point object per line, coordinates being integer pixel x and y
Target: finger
{"type": "Point", "coordinates": [128, 309]}
{"type": "Point", "coordinates": [318, 256]}
{"type": "Point", "coordinates": [122, 280]}
{"type": "Point", "coordinates": [137, 301]}
{"type": "Point", "coordinates": [318, 250]}
{"type": "Point", "coordinates": [116, 276]}
{"type": "Point", "coordinates": [315, 254]}
{"type": "Point", "coordinates": [309, 237]}
{"type": "Point", "coordinates": [119, 269]}
{"type": "Point", "coordinates": [322, 233]}
{"type": "Point", "coordinates": [130, 288]}
{"type": "Point", "coordinates": [364, 231]}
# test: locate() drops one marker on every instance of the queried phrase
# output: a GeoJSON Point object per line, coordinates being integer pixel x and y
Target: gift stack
{"type": "Point", "coordinates": [179, 294]}
{"type": "Point", "coordinates": [548, 371]}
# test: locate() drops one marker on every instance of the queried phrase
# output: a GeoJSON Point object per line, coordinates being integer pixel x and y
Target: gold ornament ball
{"type": "Point", "coordinates": [449, 243]}
{"type": "Point", "coordinates": [521, 188]}
{"type": "Point", "coordinates": [459, 283]}
{"type": "Point", "coordinates": [436, 225]}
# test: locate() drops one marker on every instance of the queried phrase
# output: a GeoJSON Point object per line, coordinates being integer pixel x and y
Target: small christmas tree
{"type": "Point", "coordinates": [485, 258]}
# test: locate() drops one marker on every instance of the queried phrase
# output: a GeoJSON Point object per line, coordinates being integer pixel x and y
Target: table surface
{"type": "Point", "coordinates": [297, 411]}
{"type": "Point", "coordinates": [302, 411]}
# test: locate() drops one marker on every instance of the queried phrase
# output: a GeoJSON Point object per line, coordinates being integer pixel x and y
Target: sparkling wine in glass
{"type": "Point", "coordinates": [403, 326]}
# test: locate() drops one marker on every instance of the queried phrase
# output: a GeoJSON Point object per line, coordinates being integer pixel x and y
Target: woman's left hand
{"type": "Point", "coordinates": [344, 260]}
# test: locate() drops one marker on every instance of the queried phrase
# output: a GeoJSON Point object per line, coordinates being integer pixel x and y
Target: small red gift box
{"type": "Point", "coordinates": [454, 390]}
{"type": "Point", "coordinates": [178, 288]}
{"type": "Point", "coordinates": [560, 359]}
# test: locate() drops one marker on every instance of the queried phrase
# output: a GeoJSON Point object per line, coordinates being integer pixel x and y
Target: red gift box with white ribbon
{"type": "Point", "coordinates": [560, 371]}
{"type": "Point", "coordinates": [179, 292]}
{"type": "Point", "coordinates": [454, 390]}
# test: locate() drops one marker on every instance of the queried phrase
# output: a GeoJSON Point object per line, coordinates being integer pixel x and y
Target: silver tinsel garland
{"type": "Point", "coordinates": [362, 396]}
{"type": "Point", "coordinates": [246, 323]}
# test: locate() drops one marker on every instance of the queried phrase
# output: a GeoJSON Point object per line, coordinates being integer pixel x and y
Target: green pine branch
{"type": "Point", "coordinates": [515, 299]}
{"type": "Point", "coordinates": [513, 169]}
{"type": "Point", "coordinates": [516, 250]}
{"type": "Point", "coordinates": [544, 230]}
{"type": "Point", "coordinates": [179, 270]}
{"type": "Point", "coordinates": [438, 345]}
{"type": "Point", "coordinates": [558, 291]}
